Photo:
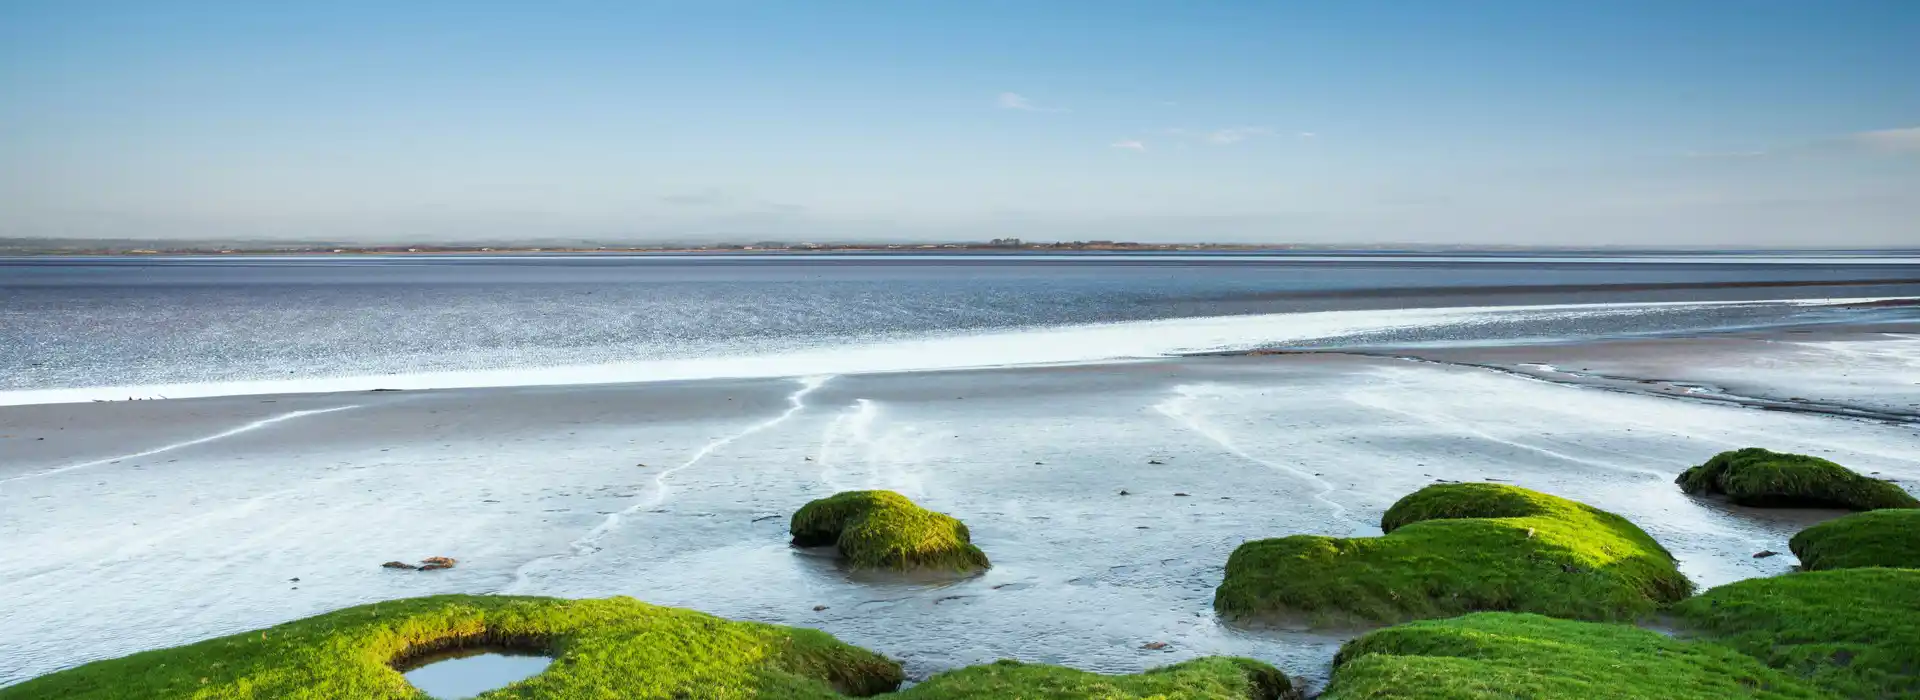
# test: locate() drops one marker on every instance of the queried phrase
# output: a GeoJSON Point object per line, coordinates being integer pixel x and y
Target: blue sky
{"type": "Point", "coordinates": [1762, 122]}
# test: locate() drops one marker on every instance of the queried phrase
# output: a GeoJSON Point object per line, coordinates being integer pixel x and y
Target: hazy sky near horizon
{"type": "Point", "coordinates": [1770, 122]}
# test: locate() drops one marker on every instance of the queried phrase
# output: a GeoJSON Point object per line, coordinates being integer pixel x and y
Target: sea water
{"type": "Point", "coordinates": [136, 327]}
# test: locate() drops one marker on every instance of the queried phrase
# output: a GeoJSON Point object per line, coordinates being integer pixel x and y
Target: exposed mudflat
{"type": "Point", "coordinates": [133, 525]}
{"type": "Point", "coordinates": [1861, 373]}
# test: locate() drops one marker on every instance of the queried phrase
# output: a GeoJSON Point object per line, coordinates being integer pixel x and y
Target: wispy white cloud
{"type": "Point", "coordinates": [1725, 154]}
{"type": "Point", "coordinates": [1896, 140]}
{"type": "Point", "coordinates": [1017, 101]}
{"type": "Point", "coordinates": [1131, 145]}
{"type": "Point", "coordinates": [1236, 134]}
{"type": "Point", "coordinates": [1308, 135]}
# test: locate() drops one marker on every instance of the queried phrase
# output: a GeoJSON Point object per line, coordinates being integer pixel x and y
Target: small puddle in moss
{"type": "Point", "coordinates": [464, 673]}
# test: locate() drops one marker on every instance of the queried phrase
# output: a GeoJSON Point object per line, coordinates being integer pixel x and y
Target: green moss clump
{"type": "Point", "coordinates": [1758, 477]}
{"type": "Point", "coordinates": [1457, 548]}
{"type": "Point", "coordinates": [884, 530]}
{"type": "Point", "coordinates": [1889, 538]}
{"type": "Point", "coordinates": [1211, 678]}
{"type": "Point", "coordinates": [1854, 631]}
{"type": "Point", "coordinates": [1510, 655]}
{"type": "Point", "coordinates": [607, 648]}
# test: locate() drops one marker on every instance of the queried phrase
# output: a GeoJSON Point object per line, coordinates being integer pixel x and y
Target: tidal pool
{"type": "Point", "coordinates": [464, 673]}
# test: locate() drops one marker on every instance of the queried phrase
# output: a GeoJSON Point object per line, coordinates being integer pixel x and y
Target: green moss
{"type": "Point", "coordinates": [1211, 678]}
{"type": "Point", "coordinates": [1757, 477]}
{"type": "Point", "coordinates": [1456, 548]}
{"type": "Point", "coordinates": [1508, 655]}
{"type": "Point", "coordinates": [608, 648]}
{"type": "Point", "coordinates": [1853, 631]}
{"type": "Point", "coordinates": [1889, 538]}
{"type": "Point", "coordinates": [1462, 501]}
{"type": "Point", "coordinates": [884, 530]}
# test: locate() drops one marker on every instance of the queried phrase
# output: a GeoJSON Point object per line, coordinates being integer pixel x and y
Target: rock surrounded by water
{"type": "Point", "coordinates": [885, 530]}
{"type": "Point", "coordinates": [1760, 477]}
{"type": "Point", "coordinates": [1454, 548]}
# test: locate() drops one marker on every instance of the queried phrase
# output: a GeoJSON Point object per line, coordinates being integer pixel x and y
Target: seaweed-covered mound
{"type": "Point", "coordinates": [1853, 631]}
{"type": "Point", "coordinates": [1211, 678]}
{"type": "Point", "coordinates": [1512, 655]}
{"type": "Point", "coordinates": [1763, 478]}
{"type": "Point", "coordinates": [608, 648]}
{"type": "Point", "coordinates": [1889, 538]}
{"type": "Point", "coordinates": [613, 647]}
{"type": "Point", "coordinates": [884, 530]}
{"type": "Point", "coordinates": [1456, 548]}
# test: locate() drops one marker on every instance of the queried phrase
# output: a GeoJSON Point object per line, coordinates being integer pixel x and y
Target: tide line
{"type": "Point", "coordinates": [1176, 408]}
{"type": "Point", "coordinates": [589, 543]}
{"type": "Point", "coordinates": [855, 421]}
{"type": "Point", "coordinates": [256, 425]}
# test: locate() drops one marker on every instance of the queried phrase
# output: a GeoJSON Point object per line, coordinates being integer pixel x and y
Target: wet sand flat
{"type": "Point", "coordinates": [1871, 372]}
{"type": "Point", "coordinates": [134, 525]}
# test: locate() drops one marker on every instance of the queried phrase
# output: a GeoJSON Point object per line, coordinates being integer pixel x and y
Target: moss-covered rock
{"type": "Point", "coordinates": [1889, 538]}
{"type": "Point", "coordinates": [1510, 655]}
{"type": "Point", "coordinates": [1763, 478]}
{"type": "Point", "coordinates": [1211, 678]}
{"type": "Point", "coordinates": [608, 648]}
{"type": "Point", "coordinates": [884, 530]}
{"type": "Point", "coordinates": [1456, 548]}
{"type": "Point", "coordinates": [1853, 631]}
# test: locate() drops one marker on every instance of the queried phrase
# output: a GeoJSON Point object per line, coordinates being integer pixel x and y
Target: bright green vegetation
{"type": "Point", "coordinates": [607, 648]}
{"type": "Point", "coordinates": [884, 530]}
{"type": "Point", "coordinates": [1211, 678]}
{"type": "Point", "coordinates": [1889, 538]}
{"type": "Point", "coordinates": [1854, 631]}
{"type": "Point", "coordinates": [1457, 548]}
{"type": "Point", "coordinates": [1509, 655]}
{"type": "Point", "coordinates": [1757, 477]}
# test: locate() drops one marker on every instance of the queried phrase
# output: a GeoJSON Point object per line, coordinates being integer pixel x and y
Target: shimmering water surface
{"type": "Point", "coordinates": [156, 322]}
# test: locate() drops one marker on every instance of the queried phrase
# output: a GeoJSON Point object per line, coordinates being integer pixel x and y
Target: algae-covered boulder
{"type": "Point", "coordinates": [1889, 538]}
{"type": "Point", "coordinates": [607, 648]}
{"type": "Point", "coordinates": [884, 530]}
{"type": "Point", "coordinates": [1855, 632]}
{"type": "Point", "coordinates": [1514, 655]}
{"type": "Point", "coordinates": [1456, 548]}
{"type": "Point", "coordinates": [1211, 678]}
{"type": "Point", "coordinates": [1763, 478]}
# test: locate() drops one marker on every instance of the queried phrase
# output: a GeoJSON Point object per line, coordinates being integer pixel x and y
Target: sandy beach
{"type": "Point", "coordinates": [137, 524]}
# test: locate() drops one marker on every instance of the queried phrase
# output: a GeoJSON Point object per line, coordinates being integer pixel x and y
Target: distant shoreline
{"type": "Point", "coordinates": [743, 249]}
{"type": "Point", "coordinates": [123, 248]}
